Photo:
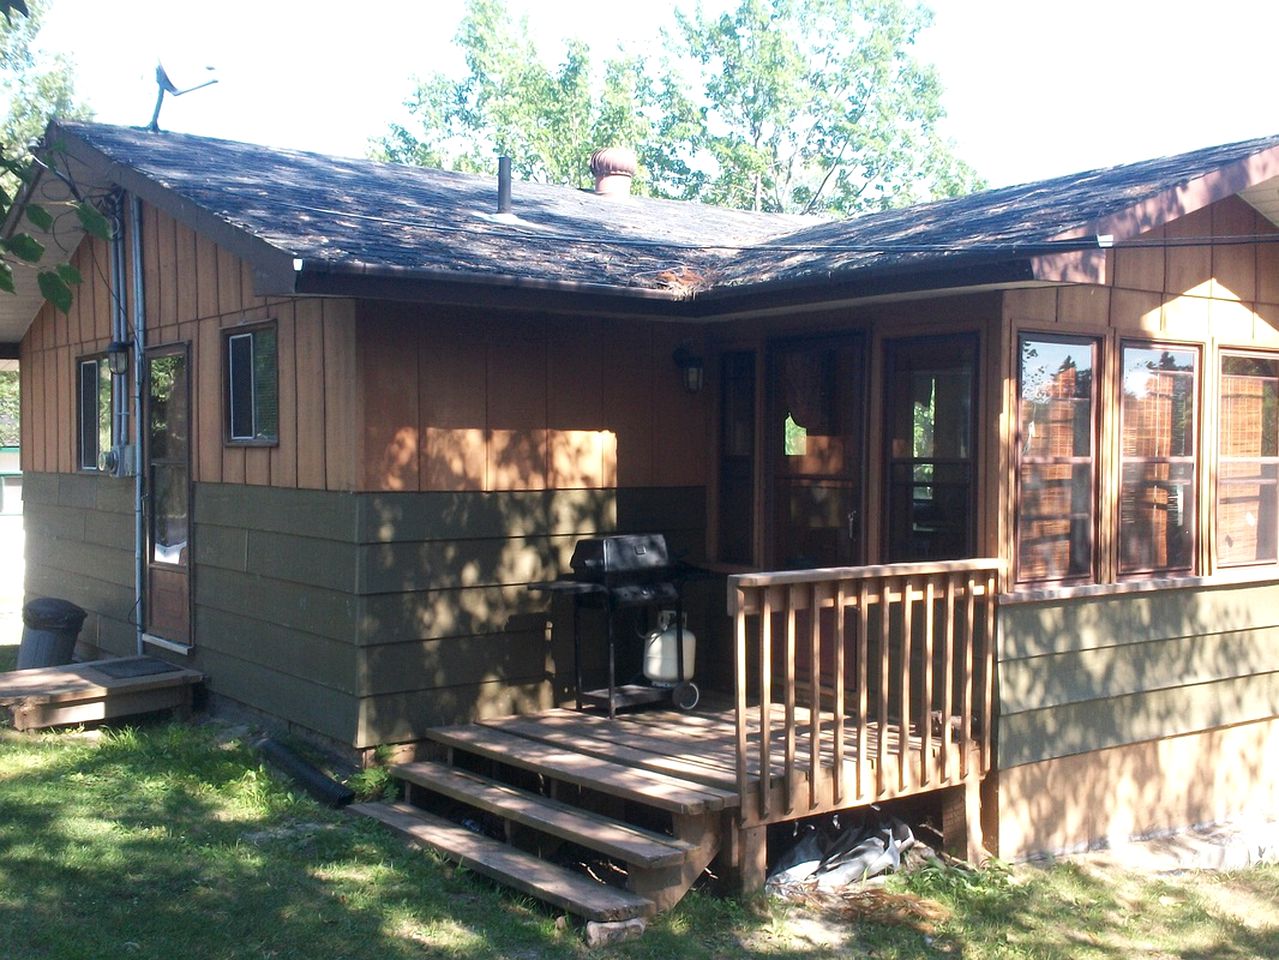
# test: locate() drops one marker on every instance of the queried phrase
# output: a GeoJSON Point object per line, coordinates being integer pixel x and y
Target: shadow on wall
{"type": "Point", "coordinates": [448, 628]}
{"type": "Point", "coordinates": [1155, 709]}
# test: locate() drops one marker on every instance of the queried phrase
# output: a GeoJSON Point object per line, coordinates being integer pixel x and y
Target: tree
{"type": "Point", "coordinates": [511, 104]}
{"type": "Point", "coordinates": [34, 92]}
{"type": "Point", "coordinates": [779, 105]}
{"type": "Point", "coordinates": [805, 106]}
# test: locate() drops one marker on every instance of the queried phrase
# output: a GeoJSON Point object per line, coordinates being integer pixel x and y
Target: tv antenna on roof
{"type": "Point", "coordinates": [167, 86]}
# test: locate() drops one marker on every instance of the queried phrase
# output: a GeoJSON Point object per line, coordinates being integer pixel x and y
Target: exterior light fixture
{"type": "Point", "coordinates": [118, 356]}
{"type": "Point", "coordinates": [691, 367]}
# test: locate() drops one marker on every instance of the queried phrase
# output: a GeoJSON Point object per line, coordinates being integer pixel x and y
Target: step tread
{"type": "Point", "coordinates": [562, 763]}
{"type": "Point", "coordinates": [505, 864]}
{"type": "Point", "coordinates": [594, 831]}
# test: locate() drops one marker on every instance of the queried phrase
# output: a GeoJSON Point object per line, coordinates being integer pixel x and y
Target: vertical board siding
{"type": "Point", "coordinates": [524, 402]}
{"type": "Point", "coordinates": [194, 291]}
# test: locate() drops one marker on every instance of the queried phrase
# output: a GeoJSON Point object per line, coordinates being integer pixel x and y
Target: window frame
{"type": "Point", "coordinates": [890, 349]}
{"type": "Point", "coordinates": [104, 379]}
{"type": "Point", "coordinates": [1093, 460]}
{"type": "Point", "coordinates": [229, 410]}
{"type": "Point", "coordinates": [1224, 354]}
{"type": "Point", "coordinates": [1195, 460]}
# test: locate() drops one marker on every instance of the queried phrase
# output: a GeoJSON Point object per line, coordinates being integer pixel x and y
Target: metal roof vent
{"type": "Point", "coordinates": [613, 169]}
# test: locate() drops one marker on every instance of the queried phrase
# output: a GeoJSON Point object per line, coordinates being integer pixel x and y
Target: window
{"type": "Point", "coordinates": [93, 404]}
{"type": "Point", "coordinates": [931, 445]}
{"type": "Point", "coordinates": [1057, 473]}
{"type": "Point", "coordinates": [1157, 459]}
{"type": "Point", "coordinates": [737, 458]}
{"type": "Point", "coordinates": [252, 386]}
{"type": "Point", "coordinates": [1248, 465]}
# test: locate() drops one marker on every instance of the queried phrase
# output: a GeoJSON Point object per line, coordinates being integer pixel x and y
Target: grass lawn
{"type": "Point", "coordinates": [172, 841]}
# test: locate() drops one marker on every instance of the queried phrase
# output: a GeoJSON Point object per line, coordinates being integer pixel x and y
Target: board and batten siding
{"type": "Point", "coordinates": [194, 293]}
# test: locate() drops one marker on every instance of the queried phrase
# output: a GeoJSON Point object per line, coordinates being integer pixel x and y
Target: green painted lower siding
{"type": "Point", "coordinates": [398, 611]}
{"type": "Point", "coordinates": [79, 546]}
{"type": "Point", "coordinates": [1083, 674]}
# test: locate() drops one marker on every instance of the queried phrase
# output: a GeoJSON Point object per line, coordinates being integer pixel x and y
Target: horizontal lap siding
{"type": "Point", "coordinates": [489, 444]}
{"type": "Point", "coordinates": [448, 629]}
{"type": "Point", "coordinates": [1088, 674]}
{"type": "Point", "coordinates": [274, 601]}
{"type": "Point", "coordinates": [79, 547]}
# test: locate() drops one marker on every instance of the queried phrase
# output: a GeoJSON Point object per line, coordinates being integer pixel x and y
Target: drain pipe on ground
{"type": "Point", "coordinates": [139, 351]}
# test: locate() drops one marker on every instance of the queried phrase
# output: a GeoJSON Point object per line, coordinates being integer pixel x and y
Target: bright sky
{"type": "Point", "coordinates": [1033, 89]}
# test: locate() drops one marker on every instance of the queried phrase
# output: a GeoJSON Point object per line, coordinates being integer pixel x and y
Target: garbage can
{"type": "Point", "coordinates": [50, 627]}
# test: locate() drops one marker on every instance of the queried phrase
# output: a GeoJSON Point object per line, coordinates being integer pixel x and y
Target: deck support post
{"type": "Point", "coordinates": [744, 858]}
{"type": "Point", "coordinates": [961, 822]}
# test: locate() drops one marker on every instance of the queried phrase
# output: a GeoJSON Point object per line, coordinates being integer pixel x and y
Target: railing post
{"type": "Point", "coordinates": [739, 684]}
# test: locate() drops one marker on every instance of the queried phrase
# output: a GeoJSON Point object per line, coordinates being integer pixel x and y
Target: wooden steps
{"type": "Point", "coordinates": [604, 776]}
{"type": "Point", "coordinates": [622, 803]}
{"type": "Point", "coordinates": [514, 868]}
{"type": "Point", "coordinates": [615, 839]}
{"type": "Point", "coordinates": [97, 690]}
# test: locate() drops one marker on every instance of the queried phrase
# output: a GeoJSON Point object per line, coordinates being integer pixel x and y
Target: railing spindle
{"type": "Point", "coordinates": [988, 659]}
{"type": "Point", "coordinates": [881, 718]}
{"type": "Point", "coordinates": [966, 696]}
{"type": "Point", "coordinates": [926, 705]}
{"type": "Point", "coordinates": [814, 696]}
{"type": "Point", "coordinates": [840, 683]}
{"type": "Point", "coordinates": [863, 695]}
{"type": "Point", "coordinates": [903, 741]}
{"type": "Point", "coordinates": [790, 697]}
{"type": "Point", "coordinates": [765, 701]}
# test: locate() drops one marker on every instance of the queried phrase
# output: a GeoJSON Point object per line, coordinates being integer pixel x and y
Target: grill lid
{"type": "Point", "coordinates": [635, 555]}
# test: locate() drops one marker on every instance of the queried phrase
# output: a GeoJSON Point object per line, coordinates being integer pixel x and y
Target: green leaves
{"type": "Point", "coordinates": [39, 216]}
{"type": "Point", "coordinates": [55, 290]}
{"type": "Point", "coordinates": [23, 246]}
{"type": "Point", "coordinates": [776, 105]}
{"type": "Point", "coordinates": [93, 222]}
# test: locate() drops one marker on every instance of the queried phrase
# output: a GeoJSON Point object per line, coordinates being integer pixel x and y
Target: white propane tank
{"type": "Point", "coordinates": [661, 647]}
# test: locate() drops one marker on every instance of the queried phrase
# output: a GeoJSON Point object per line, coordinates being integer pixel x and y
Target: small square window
{"type": "Point", "coordinates": [252, 387]}
{"type": "Point", "coordinates": [93, 405]}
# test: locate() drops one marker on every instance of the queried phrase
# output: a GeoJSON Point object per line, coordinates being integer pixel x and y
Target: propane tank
{"type": "Point", "coordinates": [661, 651]}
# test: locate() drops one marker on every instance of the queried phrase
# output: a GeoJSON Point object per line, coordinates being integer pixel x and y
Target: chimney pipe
{"type": "Point", "coordinates": [503, 184]}
{"type": "Point", "coordinates": [613, 167]}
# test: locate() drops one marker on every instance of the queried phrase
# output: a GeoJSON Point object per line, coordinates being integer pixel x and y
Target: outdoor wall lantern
{"type": "Point", "coordinates": [118, 356]}
{"type": "Point", "coordinates": [691, 368]}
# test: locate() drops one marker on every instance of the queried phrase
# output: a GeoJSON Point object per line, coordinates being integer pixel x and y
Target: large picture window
{"type": "Point", "coordinates": [1158, 458]}
{"type": "Point", "coordinates": [252, 386]}
{"type": "Point", "coordinates": [93, 405]}
{"type": "Point", "coordinates": [1248, 464]}
{"type": "Point", "coordinates": [1057, 474]}
{"type": "Point", "coordinates": [931, 447]}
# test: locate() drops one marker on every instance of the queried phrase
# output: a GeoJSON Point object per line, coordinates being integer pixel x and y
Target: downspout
{"type": "Point", "coordinates": [139, 339]}
{"type": "Point", "coordinates": [119, 321]}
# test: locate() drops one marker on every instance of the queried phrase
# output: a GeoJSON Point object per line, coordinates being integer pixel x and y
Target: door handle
{"type": "Point", "coordinates": [852, 524]}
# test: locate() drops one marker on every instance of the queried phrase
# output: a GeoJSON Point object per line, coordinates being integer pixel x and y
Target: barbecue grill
{"type": "Point", "coordinates": [616, 573]}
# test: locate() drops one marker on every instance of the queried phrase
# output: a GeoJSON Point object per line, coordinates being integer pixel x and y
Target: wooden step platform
{"type": "Point", "coordinates": [610, 837]}
{"type": "Point", "coordinates": [97, 690]}
{"type": "Point", "coordinates": [638, 784]}
{"type": "Point", "coordinates": [514, 868]}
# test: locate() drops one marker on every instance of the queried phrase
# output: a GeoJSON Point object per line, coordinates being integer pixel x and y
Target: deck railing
{"type": "Point", "coordinates": [870, 682]}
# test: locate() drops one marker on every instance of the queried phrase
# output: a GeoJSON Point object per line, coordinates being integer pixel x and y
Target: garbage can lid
{"type": "Point", "coordinates": [53, 613]}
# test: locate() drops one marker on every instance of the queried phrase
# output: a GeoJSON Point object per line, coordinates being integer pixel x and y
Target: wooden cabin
{"type": "Point", "coordinates": [985, 491]}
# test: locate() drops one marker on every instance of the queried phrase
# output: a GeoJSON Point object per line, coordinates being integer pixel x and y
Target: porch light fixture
{"type": "Point", "coordinates": [691, 367]}
{"type": "Point", "coordinates": [118, 356]}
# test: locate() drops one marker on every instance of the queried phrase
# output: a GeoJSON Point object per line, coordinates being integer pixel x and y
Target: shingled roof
{"type": "Point", "coordinates": [312, 223]}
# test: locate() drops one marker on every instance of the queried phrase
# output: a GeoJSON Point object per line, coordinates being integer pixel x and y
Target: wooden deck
{"type": "Point", "coordinates": [98, 690]}
{"type": "Point", "coordinates": [654, 791]}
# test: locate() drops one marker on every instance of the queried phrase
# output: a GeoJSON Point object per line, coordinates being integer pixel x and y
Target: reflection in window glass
{"type": "Point", "coordinates": [1157, 499]}
{"type": "Point", "coordinates": [930, 421]}
{"type": "Point", "coordinates": [1248, 470]}
{"type": "Point", "coordinates": [1056, 472]}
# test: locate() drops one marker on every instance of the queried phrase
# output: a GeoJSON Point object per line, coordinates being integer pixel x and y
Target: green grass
{"type": "Point", "coordinates": [8, 657]}
{"type": "Point", "coordinates": [173, 841]}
